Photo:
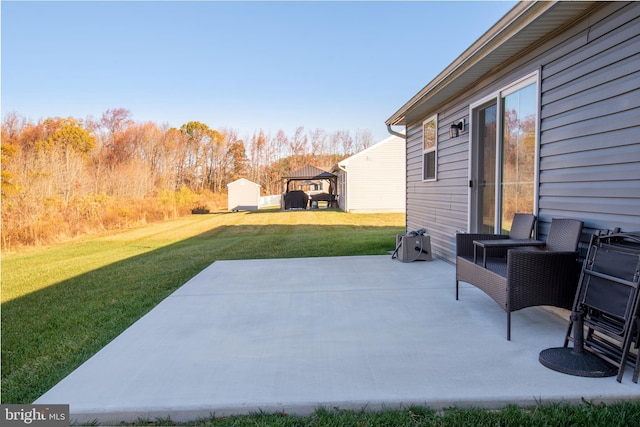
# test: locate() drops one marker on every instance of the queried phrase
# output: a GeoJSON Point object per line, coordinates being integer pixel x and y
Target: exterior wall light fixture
{"type": "Point", "coordinates": [454, 130]}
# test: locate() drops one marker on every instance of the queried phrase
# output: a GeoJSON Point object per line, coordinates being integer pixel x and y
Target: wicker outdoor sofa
{"type": "Point", "coordinates": [523, 276]}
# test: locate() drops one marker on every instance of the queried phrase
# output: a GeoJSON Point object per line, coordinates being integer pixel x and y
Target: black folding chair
{"type": "Point", "coordinates": [608, 301]}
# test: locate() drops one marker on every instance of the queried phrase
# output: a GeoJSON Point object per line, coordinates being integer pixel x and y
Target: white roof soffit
{"type": "Point", "coordinates": [521, 28]}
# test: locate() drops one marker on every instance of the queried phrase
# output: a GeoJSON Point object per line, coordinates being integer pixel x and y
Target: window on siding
{"type": "Point", "coordinates": [430, 149]}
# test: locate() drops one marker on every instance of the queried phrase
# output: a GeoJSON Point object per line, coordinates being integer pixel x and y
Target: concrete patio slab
{"type": "Point", "coordinates": [293, 335]}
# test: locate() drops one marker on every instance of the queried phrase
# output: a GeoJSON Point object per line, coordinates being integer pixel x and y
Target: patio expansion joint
{"type": "Point", "coordinates": [310, 291]}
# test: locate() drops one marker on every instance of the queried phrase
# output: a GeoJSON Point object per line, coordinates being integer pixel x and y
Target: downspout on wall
{"type": "Point", "coordinates": [403, 136]}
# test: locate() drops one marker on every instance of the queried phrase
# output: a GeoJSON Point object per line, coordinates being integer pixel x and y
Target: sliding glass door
{"type": "Point", "coordinates": [503, 167]}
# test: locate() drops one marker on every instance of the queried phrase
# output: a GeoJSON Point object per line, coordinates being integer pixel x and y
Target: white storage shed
{"type": "Point", "coordinates": [243, 195]}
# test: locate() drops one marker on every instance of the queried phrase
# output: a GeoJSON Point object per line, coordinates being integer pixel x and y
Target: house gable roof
{"type": "Point", "coordinates": [523, 27]}
{"type": "Point", "coordinates": [368, 150]}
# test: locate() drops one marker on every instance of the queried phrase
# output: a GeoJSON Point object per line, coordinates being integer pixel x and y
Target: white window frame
{"type": "Point", "coordinates": [498, 96]}
{"type": "Point", "coordinates": [433, 149]}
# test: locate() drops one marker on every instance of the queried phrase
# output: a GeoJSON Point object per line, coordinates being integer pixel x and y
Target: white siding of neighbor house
{"type": "Point", "coordinates": [374, 180]}
{"type": "Point", "coordinates": [589, 140]}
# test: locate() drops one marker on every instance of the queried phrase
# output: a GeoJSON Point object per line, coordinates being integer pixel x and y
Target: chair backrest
{"type": "Point", "coordinates": [564, 234]}
{"type": "Point", "coordinates": [615, 290]}
{"type": "Point", "coordinates": [522, 226]}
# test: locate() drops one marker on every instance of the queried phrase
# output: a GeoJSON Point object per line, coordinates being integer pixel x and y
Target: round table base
{"type": "Point", "coordinates": [581, 364]}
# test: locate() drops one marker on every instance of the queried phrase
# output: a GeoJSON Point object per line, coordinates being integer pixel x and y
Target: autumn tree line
{"type": "Point", "coordinates": [65, 177]}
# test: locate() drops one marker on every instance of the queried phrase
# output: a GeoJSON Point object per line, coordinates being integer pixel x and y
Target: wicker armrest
{"type": "Point", "coordinates": [541, 277]}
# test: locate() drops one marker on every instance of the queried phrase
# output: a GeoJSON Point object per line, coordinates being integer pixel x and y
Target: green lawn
{"type": "Point", "coordinates": [551, 415]}
{"type": "Point", "coordinates": [62, 304]}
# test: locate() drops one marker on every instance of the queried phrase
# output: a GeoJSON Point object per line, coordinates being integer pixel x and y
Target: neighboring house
{"type": "Point", "coordinates": [243, 195]}
{"type": "Point", "coordinates": [541, 114]}
{"type": "Point", "coordinates": [373, 180]}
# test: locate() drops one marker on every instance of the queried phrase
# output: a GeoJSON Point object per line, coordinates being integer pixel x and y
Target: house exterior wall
{"type": "Point", "coordinates": [342, 189]}
{"type": "Point", "coordinates": [589, 132]}
{"type": "Point", "coordinates": [243, 195]}
{"type": "Point", "coordinates": [374, 180]}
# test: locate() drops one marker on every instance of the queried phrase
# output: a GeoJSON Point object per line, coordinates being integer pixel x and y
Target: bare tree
{"type": "Point", "coordinates": [116, 122]}
{"type": "Point", "coordinates": [318, 141]}
{"type": "Point", "coordinates": [363, 139]}
{"type": "Point", "coordinates": [259, 155]}
{"type": "Point", "coordinates": [298, 144]}
{"type": "Point", "coordinates": [346, 141]}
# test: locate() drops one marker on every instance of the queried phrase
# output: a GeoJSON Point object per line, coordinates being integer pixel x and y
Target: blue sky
{"type": "Point", "coordinates": [241, 65]}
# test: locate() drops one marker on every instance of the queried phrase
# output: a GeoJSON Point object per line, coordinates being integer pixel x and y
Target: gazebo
{"type": "Point", "coordinates": [294, 198]}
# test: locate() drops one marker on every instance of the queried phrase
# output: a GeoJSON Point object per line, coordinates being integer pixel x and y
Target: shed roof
{"type": "Point", "coordinates": [523, 27]}
{"type": "Point", "coordinates": [242, 181]}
